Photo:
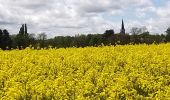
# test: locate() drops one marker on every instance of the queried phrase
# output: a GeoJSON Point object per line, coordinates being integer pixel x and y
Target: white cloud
{"type": "Point", "coordinates": [164, 11]}
{"type": "Point", "coordinates": [61, 17]}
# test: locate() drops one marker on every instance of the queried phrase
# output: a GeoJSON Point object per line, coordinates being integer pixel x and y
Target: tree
{"type": "Point", "coordinates": [96, 40]}
{"type": "Point", "coordinates": [136, 31]}
{"type": "Point", "coordinates": [108, 37]}
{"type": "Point", "coordinates": [25, 29]}
{"type": "Point", "coordinates": [1, 37]}
{"type": "Point", "coordinates": [168, 34]}
{"type": "Point", "coordinates": [108, 33]}
{"type": "Point", "coordinates": [80, 41]}
{"type": "Point", "coordinates": [23, 39]}
{"type": "Point", "coordinates": [21, 31]}
{"type": "Point", "coordinates": [41, 39]}
{"type": "Point", "coordinates": [144, 37]}
{"type": "Point", "coordinates": [42, 36]}
{"type": "Point", "coordinates": [7, 42]}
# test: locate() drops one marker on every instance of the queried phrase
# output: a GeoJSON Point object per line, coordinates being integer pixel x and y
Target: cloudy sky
{"type": "Point", "coordinates": [70, 17]}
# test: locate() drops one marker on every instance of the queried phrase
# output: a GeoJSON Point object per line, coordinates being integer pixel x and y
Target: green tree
{"type": "Point", "coordinates": [21, 31]}
{"type": "Point", "coordinates": [25, 31]}
{"type": "Point", "coordinates": [95, 40]}
{"type": "Point", "coordinates": [108, 37]}
{"type": "Point", "coordinates": [1, 39]}
{"type": "Point", "coordinates": [80, 41]}
{"type": "Point", "coordinates": [7, 42]}
{"type": "Point", "coordinates": [23, 39]}
{"type": "Point", "coordinates": [168, 34]}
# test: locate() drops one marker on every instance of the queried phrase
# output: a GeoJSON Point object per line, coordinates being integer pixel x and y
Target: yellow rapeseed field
{"type": "Point", "coordinates": [131, 72]}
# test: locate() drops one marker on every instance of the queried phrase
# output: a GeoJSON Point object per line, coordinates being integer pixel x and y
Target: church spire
{"type": "Point", "coordinates": [122, 31]}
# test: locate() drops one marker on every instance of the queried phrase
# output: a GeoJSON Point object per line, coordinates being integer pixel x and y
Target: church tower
{"type": "Point", "coordinates": [122, 30]}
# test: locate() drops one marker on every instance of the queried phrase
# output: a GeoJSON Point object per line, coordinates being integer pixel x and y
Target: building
{"type": "Point", "coordinates": [122, 30]}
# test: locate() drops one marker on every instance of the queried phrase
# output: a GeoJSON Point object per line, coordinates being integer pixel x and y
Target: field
{"type": "Point", "coordinates": [91, 73]}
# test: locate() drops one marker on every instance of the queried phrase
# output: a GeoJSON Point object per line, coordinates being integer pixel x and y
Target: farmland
{"type": "Point", "coordinates": [90, 73]}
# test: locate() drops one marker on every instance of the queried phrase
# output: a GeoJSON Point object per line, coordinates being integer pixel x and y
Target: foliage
{"type": "Point", "coordinates": [5, 40]}
{"type": "Point", "coordinates": [168, 34]}
{"type": "Point", "coordinates": [105, 72]}
{"type": "Point", "coordinates": [24, 39]}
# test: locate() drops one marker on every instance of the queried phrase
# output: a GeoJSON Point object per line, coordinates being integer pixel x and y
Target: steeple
{"type": "Point", "coordinates": [122, 30]}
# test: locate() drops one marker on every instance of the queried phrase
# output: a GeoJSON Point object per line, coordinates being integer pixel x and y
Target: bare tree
{"type": "Point", "coordinates": [138, 30]}
{"type": "Point", "coordinates": [42, 36]}
{"type": "Point", "coordinates": [41, 39]}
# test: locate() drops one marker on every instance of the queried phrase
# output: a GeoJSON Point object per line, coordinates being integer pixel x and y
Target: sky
{"type": "Point", "coordinates": [71, 17]}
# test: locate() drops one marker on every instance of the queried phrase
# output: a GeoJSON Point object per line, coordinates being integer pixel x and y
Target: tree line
{"type": "Point", "coordinates": [24, 39]}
